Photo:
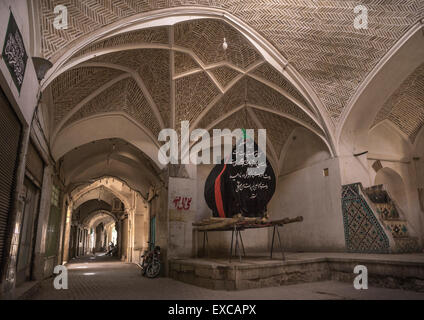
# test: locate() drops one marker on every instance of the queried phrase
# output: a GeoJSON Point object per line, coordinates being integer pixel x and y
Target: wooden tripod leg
{"type": "Point", "coordinates": [272, 243]}
{"type": "Point", "coordinates": [281, 247]}
{"type": "Point", "coordinates": [207, 244]}
{"type": "Point", "coordinates": [237, 245]}
{"type": "Point", "coordinates": [231, 247]}
{"type": "Point", "coordinates": [204, 243]}
{"type": "Point", "coordinates": [242, 244]}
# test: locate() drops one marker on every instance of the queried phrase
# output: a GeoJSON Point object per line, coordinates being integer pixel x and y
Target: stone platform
{"type": "Point", "coordinates": [404, 271]}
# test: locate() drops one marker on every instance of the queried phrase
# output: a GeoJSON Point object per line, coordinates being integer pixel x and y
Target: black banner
{"type": "Point", "coordinates": [231, 190]}
{"type": "Point", "coordinates": [14, 53]}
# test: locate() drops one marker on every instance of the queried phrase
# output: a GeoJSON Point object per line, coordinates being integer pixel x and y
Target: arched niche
{"type": "Point", "coordinates": [302, 149]}
{"type": "Point", "coordinates": [387, 142]}
{"type": "Point", "coordinates": [419, 144]}
{"type": "Point", "coordinates": [394, 184]}
{"type": "Point", "coordinates": [380, 84]}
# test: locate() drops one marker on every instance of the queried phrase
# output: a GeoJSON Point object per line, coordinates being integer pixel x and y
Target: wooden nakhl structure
{"type": "Point", "coordinates": [238, 200]}
{"type": "Point", "coordinates": [238, 224]}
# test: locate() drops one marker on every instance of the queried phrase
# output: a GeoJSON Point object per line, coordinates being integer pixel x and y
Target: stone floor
{"type": "Point", "coordinates": [105, 278]}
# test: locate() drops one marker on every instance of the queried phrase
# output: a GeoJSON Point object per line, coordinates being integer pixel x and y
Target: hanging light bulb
{"type": "Point", "coordinates": [225, 45]}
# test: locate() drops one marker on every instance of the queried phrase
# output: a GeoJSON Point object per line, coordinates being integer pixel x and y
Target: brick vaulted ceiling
{"type": "Point", "coordinates": [405, 107]}
{"type": "Point", "coordinates": [316, 37]}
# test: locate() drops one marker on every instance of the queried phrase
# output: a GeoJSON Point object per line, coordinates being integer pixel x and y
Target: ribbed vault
{"type": "Point", "coordinates": [86, 209]}
{"type": "Point", "coordinates": [108, 157]}
{"type": "Point", "coordinates": [316, 37]}
{"type": "Point", "coordinates": [159, 81]}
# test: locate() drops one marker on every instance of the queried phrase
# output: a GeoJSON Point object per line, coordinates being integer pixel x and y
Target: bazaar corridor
{"type": "Point", "coordinates": [235, 149]}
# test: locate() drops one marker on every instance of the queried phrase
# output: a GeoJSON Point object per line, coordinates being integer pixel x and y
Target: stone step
{"type": "Point", "coordinates": [261, 272]}
{"type": "Point", "coordinates": [407, 245]}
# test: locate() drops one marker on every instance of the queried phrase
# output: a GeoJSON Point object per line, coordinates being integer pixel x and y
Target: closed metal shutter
{"type": "Point", "coordinates": [10, 137]}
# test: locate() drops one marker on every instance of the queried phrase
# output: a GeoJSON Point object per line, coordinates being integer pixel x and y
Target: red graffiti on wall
{"type": "Point", "coordinates": [182, 203]}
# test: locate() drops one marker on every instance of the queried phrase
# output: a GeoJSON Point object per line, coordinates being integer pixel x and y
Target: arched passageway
{"type": "Point", "coordinates": [87, 104]}
{"type": "Point", "coordinates": [108, 99]}
{"type": "Point", "coordinates": [108, 217]}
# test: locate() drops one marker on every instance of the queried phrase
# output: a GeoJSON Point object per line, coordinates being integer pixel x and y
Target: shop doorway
{"type": "Point", "coordinates": [27, 232]}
